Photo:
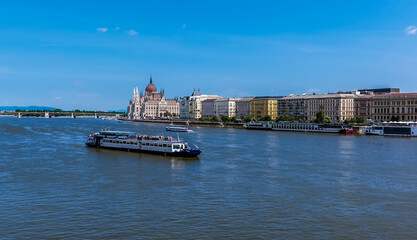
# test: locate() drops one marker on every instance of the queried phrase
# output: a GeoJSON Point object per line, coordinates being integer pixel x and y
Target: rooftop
{"type": "Point", "coordinates": [268, 97]}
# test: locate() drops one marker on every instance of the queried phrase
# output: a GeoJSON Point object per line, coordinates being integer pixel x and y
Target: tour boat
{"type": "Point", "coordinates": [162, 145]}
{"type": "Point", "coordinates": [402, 131]}
{"type": "Point", "coordinates": [258, 125]}
{"type": "Point", "coordinates": [178, 129]}
{"type": "Point", "coordinates": [297, 127]}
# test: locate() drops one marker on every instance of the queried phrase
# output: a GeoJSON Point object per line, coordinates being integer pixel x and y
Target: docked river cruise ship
{"type": "Point", "coordinates": [297, 127]}
{"type": "Point", "coordinates": [167, 146]}
{"type": "Point", "coordinates": [402, 131]}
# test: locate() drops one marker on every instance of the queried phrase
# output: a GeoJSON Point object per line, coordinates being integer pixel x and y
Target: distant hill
{"type": "Point", "coordinates": [30, 108]}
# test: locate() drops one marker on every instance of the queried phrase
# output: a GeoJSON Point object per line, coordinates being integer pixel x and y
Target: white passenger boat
{"type": "Point", "coordinates": [258, 125]}
{"type": "Point", "coordinates": [118, 140]}
{"type": "Point", "coordinates": [402, 131]}
{"type": "Point", "coordinates": [178, 129]}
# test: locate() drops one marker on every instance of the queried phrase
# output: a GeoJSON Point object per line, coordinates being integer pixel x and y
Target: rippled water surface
{"type": "Point", "coordinates": [245, 184]}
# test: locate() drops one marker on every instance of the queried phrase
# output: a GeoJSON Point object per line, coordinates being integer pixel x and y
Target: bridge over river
{"type": "Point", "coordinates": [61, 114]}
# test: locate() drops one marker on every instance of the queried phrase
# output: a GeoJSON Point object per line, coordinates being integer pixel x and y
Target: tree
{"type": "Point", "coordinates": [249, 119]}
{"type": "Point", "coordinates": [267, 118]}
{"type": "Point", "coordinates": [320, 116]}
{"type": "Point", "coordinates": [225, 118]}
{"type": "Point", "coordinates": [215, 119]}
{"type": "Point", "coordinates": [360, 120]}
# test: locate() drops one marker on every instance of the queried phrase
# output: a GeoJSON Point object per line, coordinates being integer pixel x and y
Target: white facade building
{"type": "Point", "coordinates": [338, 106]}
{"type": "Point", "coordinates": [191, 106]}
{"type": "Point", "coordinates": [225, 107]}
{"type": "Point", "coordinates": [151, 105]}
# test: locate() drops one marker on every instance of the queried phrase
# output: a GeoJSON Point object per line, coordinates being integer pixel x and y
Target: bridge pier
{"type": "Point", "coordinates": [95, 115]}
{"type": "Point", "coordinates": [46, 114]}
{"type": "Point", "coordinates": [18, 115]}
{"type": "Point", "coordinates": [72, 115]}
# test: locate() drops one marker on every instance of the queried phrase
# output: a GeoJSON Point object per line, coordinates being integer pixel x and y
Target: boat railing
{"type": "Point", "coordinates": [155, 138]}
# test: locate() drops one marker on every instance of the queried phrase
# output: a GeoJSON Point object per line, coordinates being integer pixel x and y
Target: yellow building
{"type": "Point", "coordinates": [264, 106]}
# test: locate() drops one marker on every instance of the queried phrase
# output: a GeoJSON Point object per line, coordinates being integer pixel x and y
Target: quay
{"type": "Point", "coordinates": [357, 128]}
{"type": "Point", "coordinates": [189, 123]}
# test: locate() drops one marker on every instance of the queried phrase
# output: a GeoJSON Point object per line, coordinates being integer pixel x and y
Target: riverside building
{"type": "Point", "coordinates": [292, 106]}
{"type": "Point", "coordinates": [338, 106]}
{"type": "Point", "coordinates": [207, 108]}
{"type": "Point", "coordinates": [152, 104]}
{"type": "Point", "coordinates": [264, 106]}
{"type": "Point", "coordinates": [191, 106]}
{"type": "Point", "coordinates": [225, 107]}
{"type": "Point", "coordinates": [387, 107]}
{"type": "Point", "coordinates": [243, 107]}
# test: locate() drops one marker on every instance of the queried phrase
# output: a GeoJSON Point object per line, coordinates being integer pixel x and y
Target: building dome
{"type": "Point", "coordinates": [150, 88]}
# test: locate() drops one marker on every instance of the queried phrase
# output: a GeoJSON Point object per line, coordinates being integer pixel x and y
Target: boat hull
{"type": "Point", "coordinates": [185, 153]}
{"type": "Point", "coordinates": [170, 130]}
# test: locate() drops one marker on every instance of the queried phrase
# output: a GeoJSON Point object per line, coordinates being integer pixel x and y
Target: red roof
{"type": "Point", "coordinates": [150, 88]}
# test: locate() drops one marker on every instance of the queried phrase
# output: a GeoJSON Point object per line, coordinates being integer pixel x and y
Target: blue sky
{"type": "Point", "coordinates": [90, 54]}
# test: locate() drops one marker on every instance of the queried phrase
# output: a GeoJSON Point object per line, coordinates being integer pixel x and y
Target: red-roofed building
{"type": "Point", "coordinates": [152, 104]}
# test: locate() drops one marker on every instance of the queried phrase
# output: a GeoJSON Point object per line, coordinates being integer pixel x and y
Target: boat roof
{"type": "Point", "coordinates": [115, 132]}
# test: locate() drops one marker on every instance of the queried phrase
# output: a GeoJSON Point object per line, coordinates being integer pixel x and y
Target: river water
{"type": "Point", "coordinates": [245, 185]}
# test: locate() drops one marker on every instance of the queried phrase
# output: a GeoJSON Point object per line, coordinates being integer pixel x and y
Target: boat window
{"type": "Point", "coordinates": [176, 146]}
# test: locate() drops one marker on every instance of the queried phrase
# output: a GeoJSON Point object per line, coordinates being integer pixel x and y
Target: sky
{"type": "Point", "coordinates": [90, 54]}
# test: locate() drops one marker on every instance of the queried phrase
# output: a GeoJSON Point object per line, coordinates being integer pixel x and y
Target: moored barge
{"type": "Point", "coordinates": [297, 127]}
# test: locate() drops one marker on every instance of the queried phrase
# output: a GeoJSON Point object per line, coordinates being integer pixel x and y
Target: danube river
{"type": "Point", "coordinates": [246, 185]}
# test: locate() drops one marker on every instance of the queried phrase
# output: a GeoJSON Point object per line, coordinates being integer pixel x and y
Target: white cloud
{"type": "Point", "coordinates": [116, 28]}
{"type": "Point", "coordinates": [132, 32]}
{"type": "Point", "coordinates": [102, 29]}
{"type": "Point", "coordinates": [411, 30]}
{"type": "Point", "coordinates": [57, 98]}
{"type": "Point", "coordinates": [184, 26]}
